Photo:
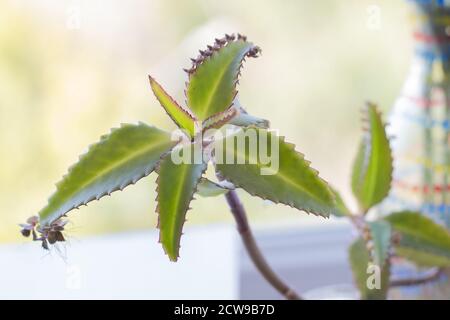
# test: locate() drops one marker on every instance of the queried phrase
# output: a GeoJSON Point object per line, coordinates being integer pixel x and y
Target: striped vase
{"type": "Point", "coordinates": [420, 126]}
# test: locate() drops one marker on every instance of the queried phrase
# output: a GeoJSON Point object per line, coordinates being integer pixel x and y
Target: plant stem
{"type": "Point", "coordinates": [433, 275]}
{"type": "Point", "coordinates": [360, 224]}
{"type": "Point", "coordinates": [253, 251]}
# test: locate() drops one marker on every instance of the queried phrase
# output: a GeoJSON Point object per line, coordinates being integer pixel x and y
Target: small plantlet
{"type": "Point", "coordinates": [28, 228]}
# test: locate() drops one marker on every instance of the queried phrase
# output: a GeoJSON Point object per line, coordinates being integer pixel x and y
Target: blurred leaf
{"type": "Point", "coordinates": [421, 239]}
{"type": "Point", "coordinates": [182, 118]}
{"type": "Point", "coordinates": [341, 208]}
{"type": "Point", "coordinates": [122, 157]}
{"type": "Point", "coordinates": [381, 236]}
{"type": "Point", "coordinates": [364, 275]}
{"type": "Point", "coordinates": [176, 185]}
{"type": "Point", "coordinates": [290, 180]}
{"type": "Point", "coordinates": [244, 119]}
{"type": "Point", "coordinates": [212, 81]}
{"type": "Point", "coordinates": [372, 170]}
{"type": "Point", "coordinates": [208, 188]}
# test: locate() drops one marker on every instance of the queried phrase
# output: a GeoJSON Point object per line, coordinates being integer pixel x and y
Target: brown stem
{"type": "Point", "coordinates": [253, 251]}
{"type": "Point", "coordinates": [359, 223]}
{"type": "Point", "coordinates": [418, 280]}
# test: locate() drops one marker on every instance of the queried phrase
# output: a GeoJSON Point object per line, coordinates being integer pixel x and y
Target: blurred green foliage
{"type": "Point", "coordinates": [61, 87]}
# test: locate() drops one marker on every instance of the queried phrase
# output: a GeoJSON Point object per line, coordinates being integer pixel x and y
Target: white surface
{"type": "Point", "coordinates": [124, 266]}
{"type": "Point", "coordinates": [306, 257]}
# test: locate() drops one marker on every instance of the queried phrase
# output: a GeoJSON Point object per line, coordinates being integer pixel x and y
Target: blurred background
{"type": "Point", "coordinates": [70, 70]}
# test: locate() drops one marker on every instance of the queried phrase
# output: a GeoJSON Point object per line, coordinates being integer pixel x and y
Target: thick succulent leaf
{"type": "Point", "coordinates": [176, 185]}
{"type": "Point", "coordinates": [182, 118]}
{"type": "Point", "coordinates": [212, 79]}
{"type": "Point", "coordinates": [208, 188]}
{"type": "Point", "coordinates": [380, 232]}
{"type": "Point", "coordinates": [421, 240]}
{"type": "Point", "coordinates": [372, 170]}
{"type": "Point", "coordinates": [363, 275]}
{"type": "Point", "coordinates": [120, 158]}
{"type": "Point", "coordinates": [341, 208]}
{"type": "Point", "coordinates": [283, 177]}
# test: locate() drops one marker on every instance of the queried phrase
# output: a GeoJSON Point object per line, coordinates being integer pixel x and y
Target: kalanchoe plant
{"type": "Point", "coordinates": [132, 152]}
{"type": "Point", "coordinates": [409, 235]}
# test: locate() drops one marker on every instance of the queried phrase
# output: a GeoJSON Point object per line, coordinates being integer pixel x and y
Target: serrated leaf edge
{"type": "Point", "coordinates": [106, 193]}
{"type": "Point", "coordinates": [186, 110]}
{"type": "Point", "coordinates": [192, 198]}
{"type": "Point", "coordinates": [219, 119]}
{"type": "Point", "coordinates": [367, 138]}
{"type": "Point", "coordinates": [205, 55]}
{"type": "Point", "coordinates": [291, 204]}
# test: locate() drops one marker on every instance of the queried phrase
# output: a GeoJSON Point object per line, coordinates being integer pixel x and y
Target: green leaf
{"type": "Point", "coordinates": [380, 232]}
{"type": "Point", "coordinates": [214, 75]}
{"type": "Point", "coordinates": [284, 176]}
{"type": "Point", "coordinates": [218, 120]}
{"type": "Point", "coordinates": [421, 239]}
{"type": "Point", "coordinates": [244, 119]}
{"type": "Point", "coordinates": [341, 208]}
{"type": "Point", "coordinates": [372, 170]}
{"type": "Point", "coordinates": [182, 118]}
{"type": "Point", "coordinates": [176, 185]}
{"type": "Point", "coordinates": [371, 281]}
{"type": "Point", "coordinates": [122, 157]}
{"type": "Point", "coordinates": [208, 188]}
